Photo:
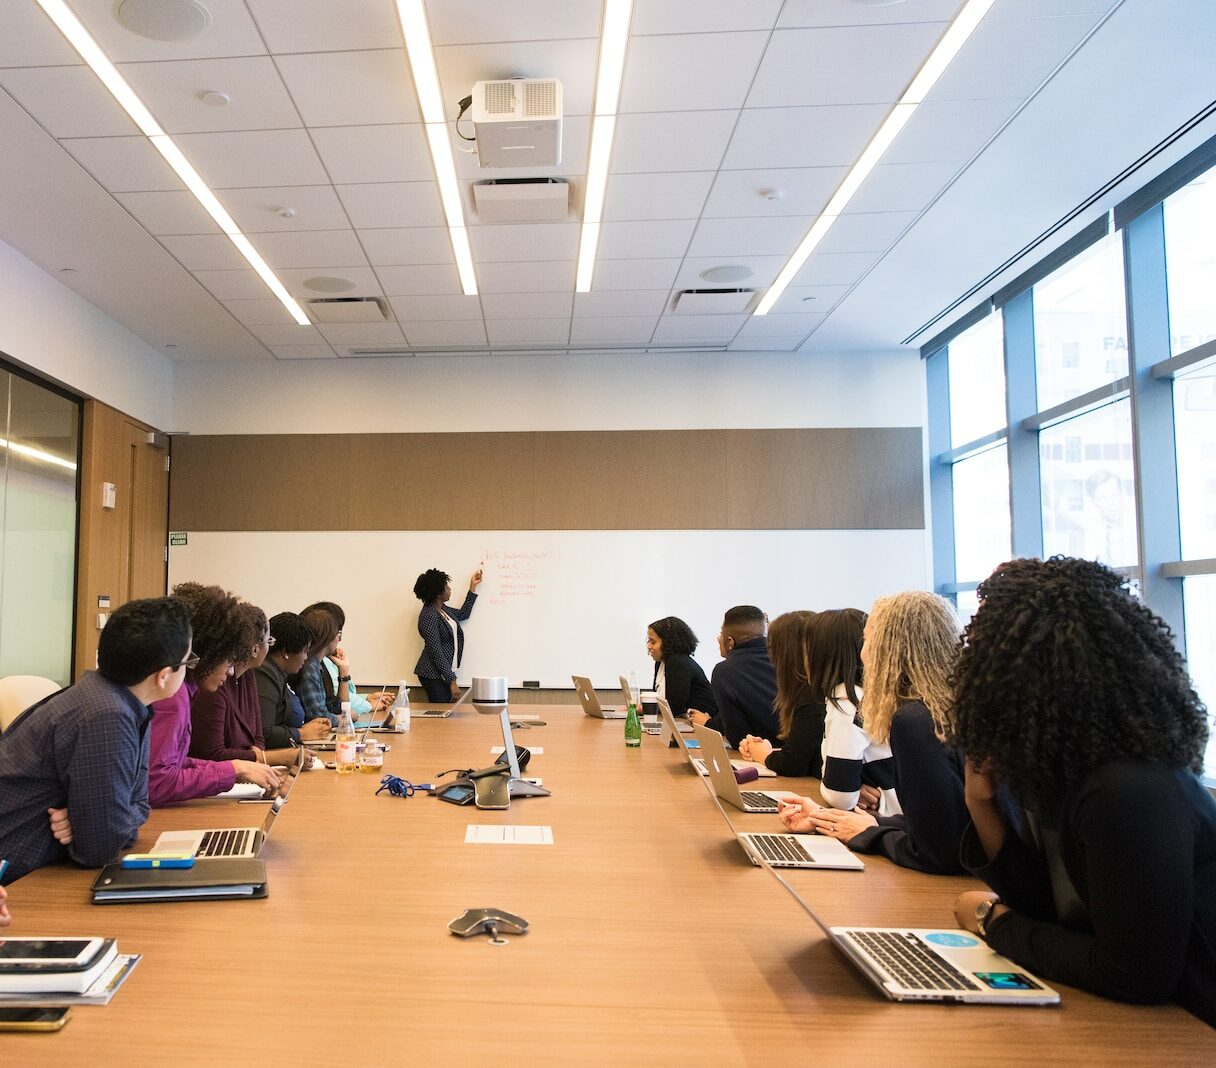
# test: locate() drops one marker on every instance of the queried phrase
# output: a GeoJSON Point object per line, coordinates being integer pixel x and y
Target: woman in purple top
{"type": "Point", "coordinates": [223, 634]}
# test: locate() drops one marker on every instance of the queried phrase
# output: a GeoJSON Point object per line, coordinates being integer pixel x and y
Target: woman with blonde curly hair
{"type": "Point", "coordinates": [909, 650]}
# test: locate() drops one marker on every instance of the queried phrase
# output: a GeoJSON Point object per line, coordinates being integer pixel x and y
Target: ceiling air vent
{"type": "Point", "coordinates": [712, 301]}
{"type": "Point", "coordinates": [516, 200]}
{"type": "Point", "coordinates": [347, 310]}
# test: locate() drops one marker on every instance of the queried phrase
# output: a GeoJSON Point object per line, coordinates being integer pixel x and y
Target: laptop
{"type": "Point", "coordinates": [591, 703]}
{"type": "Point", "coordinates": [231, 841]}
{"type": "Point", "coordinates": [443, 713]}
{"type": "Point", "coordinates": [722, 775]}
{"type": "Point", "coordinates": [929, 964]}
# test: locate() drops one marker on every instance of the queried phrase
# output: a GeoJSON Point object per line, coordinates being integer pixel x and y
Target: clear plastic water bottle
{"type": "Point", "coordinates": [635, 692]}
{"type": "Point", "coordinates": [400, 711]}
{"type": "Point", "coordinates": [346, 749]}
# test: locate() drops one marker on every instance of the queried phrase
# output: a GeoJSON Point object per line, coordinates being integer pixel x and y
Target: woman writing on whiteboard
{"type": "Point", "coordinates": [442, 637]}
{"type": "Point", "coordinates": [678, 678]}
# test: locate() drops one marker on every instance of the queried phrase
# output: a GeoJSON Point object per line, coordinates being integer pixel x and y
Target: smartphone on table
{"type": "Point", "coordinates": [33, 1019]}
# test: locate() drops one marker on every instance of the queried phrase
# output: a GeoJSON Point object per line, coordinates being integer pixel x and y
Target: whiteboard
{"type": "Point", "coordinates": [553, 603]}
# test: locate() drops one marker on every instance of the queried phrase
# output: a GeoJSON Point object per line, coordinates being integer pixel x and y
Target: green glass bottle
{"type": "Point", "coordinates": [633, 726]}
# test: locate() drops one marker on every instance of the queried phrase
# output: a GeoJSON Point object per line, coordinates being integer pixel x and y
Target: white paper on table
{"type": "Point", "coordinates": [535, 750]}
{"type": "Point", "coordinates": [507, 834]}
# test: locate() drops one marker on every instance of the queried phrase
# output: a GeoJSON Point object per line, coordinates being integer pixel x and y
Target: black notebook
{"type": "Point", "coordinates": [228, 877]}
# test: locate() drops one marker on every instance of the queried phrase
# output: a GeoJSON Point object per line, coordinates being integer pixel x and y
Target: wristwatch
{"type": "Point", "coordinates": [344, 678]}
{"type": "Point", "coordinates": [982, 912]}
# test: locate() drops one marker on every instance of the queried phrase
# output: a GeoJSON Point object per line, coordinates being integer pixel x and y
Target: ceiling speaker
{"type": "Point", "coordinates": [164, 20]}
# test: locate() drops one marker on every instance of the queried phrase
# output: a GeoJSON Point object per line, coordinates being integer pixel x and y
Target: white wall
{"type": "Point", "coordinates": [49, 328]}
{"type": "Point", "coordinates": [516, 393]}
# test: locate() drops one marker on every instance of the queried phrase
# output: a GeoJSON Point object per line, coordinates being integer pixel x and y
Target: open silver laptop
{"type": "Point", "coordinates": [591, 703]}
{"type": "Point", "coordinates": [231, 841]}
{"type": "Point", "coordinates": [722, 775]}
{"type": "Point", "coordinates": [443, 713]}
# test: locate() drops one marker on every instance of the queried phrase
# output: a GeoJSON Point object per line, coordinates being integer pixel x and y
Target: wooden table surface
{"type": "Point", "coordinates": [653, 939]}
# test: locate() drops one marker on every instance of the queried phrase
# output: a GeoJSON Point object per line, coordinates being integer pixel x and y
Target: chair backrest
{"type": "Point", "coordinates": [18, 692]}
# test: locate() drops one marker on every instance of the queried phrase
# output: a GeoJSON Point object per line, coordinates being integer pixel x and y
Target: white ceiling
{"type": "Point", "coordinates": [722, 101]}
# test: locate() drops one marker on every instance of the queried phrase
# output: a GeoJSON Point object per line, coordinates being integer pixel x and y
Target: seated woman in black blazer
{"type": "Point", "coordinates": [442, 636]}
{"type": "Point", "coordinates": [678, 678]}
{"type": "Point", "coordinates": [1071, 697]}
{"type": "Point", "coordinates": [800, 710]}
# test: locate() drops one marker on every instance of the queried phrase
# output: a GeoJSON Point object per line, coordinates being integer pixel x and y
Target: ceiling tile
{"type": "Point", "coordinates": [872, 232]}
{"type": "Point", "coordinates": [690, 72]}
{"type": "Point", "coordinates": [338, 248]}
{"type": "Point", "coordinates": [292, 334]}
{"type": "Point", "coordinates": [436, 308]}
{"type": "Point", "coordinates": [644, 240]}
{"type": "Point", "coordinates": [678, 195]}
{"type": "Point", "coordinates": [949, 130]}
{"type": "Point", "coordinates": [534, 241]}
{"type": "Point", "coordinates": [835, 65]}
{"type": "Point", "coordinates": [468, 332]}
{"type": "Point", "coordinates": [1010, 57]}
{"type": "Point", "coordinates": [323, 26]}
{"type": "Point", "coordinates": [765, 344]}
{"type": "Point", "coordinates": [168, 212]}
{"type": "Point", "coordinates": [698, 327]}
{"type": "Point", "coordinates": [671, 141]}
{"type": "Point", "coordinates": [30, 39]}
{"type": "Point", "coordinates": [766, 268]}
{"type": "Point", "coordinates": [303, 352]}
{"type": "Point", "coordinates": [527, 305]}
{"type": "Point", "coordinates": [901, 186]}
{"type": "Point", "coordinates": [779, 325]}
{"type": "Point", "coordinates": [535, 277]}
{"type": "Point", "coordinates": [418, 281]}
{"type": "Point", "coordinates": [363, 333]}
{"type": "Point", "coordinates": [265, 312]}
{"type": "Point", "coordinates": [253, 158]}
{"type": "Point", "coordinates": [256, 210]}
{"type": "Point", "coordinates": [835, 268]}
{"type": "Point", "coordinates": [575, 133]}
{"type": "Point", "coordinates": [231, 33]}
{"type": "Point", "coordinates": [853, 13]}
{"type": "Point", "coordinates": [381, 205]}
{"type": "Point", "coordinates": [407, 245]}
{"type": "Point", "coordinates": [351, 88]}
{"type": "Point", "coordinates": [749, 237]}
{"type": "Point", "coordinates": [173, 93]}
{"type": "Point", "coordinates": [795, 191]}
{"type": "Point", "coordinates": [803, 137]}
{"type": "Point", "coordinates": [123, 164]}
{"type": "Point", "coordinates": [205, 252]}
{"type": "Point", "coordinates": [528, 331]}
{"type": "Point", "coordinates": [803, 300]}
{"type": "Point", "coordinates": [572, 62]}
{"type": "Point", "coordinates": [68, 101]}
{"type": "Point", "coordinates": [1031, 9]}
{"type": "Point", "coordinates": [624, 302]}
{"type": "Point", "coordinates": [476, 22]}
{"type": "Point", "coordinates": [233, 285]}
{"type": "Point", "coordinates": [616, 328]}
{"type": "Point", "coordinates": [364, 279]}
{"type": "Point", "coordinates": [634, 274]}
{"type": "Point", "coordinates": [390, 153]}
{"type": "Point", "coordinates": [705, 16]}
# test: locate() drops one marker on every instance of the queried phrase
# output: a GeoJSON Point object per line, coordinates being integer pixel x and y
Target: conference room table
{"type": "Point", "coordinates": [652, 938]}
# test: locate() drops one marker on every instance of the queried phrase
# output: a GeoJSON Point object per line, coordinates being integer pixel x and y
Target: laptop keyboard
{"type": "Point", "coordinates": [779, 847]}
{"type": "Point", "coordinates": [224, 843]}
{"type": "Point", "coordinates": [755, 799]}
{"type": "Point", "coordinates": [909, 961]}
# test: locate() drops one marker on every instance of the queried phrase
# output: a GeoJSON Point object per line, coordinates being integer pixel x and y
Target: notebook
{"type": "Point", "coordinates": [229, 841]}
{"type": "Point", "coordinates": [228, 877]}
{"type": "Point", "coordinates": [722, 775]}
{"type": "Point", "coordinates": [591, 703]}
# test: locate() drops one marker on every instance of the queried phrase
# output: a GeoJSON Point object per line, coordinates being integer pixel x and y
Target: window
{"type": "Point", "coordinates": [1190, 258]}
{"type": "Point", "coordinates": [981, 513]}
{"type": "Point", "coordinates": [1195, 435]}
{"type": "Point", "coordinates": [1199, 597]}
{"type": "Point", "coordinates": [1088, 494]}
{"type": "Point", "coordinates": [977, 381]}
{"type": "Point", "coordinates": [1080, 325]}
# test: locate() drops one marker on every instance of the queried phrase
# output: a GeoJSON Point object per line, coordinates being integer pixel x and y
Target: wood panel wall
{"type": "Point", "coordinates": [807, 479]}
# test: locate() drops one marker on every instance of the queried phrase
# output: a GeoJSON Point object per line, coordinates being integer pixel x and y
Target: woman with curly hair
{"type": "Point", "coordinates": [909, 649]}
{"type": "Point", "coordinates": [678, 678]}
{"type": "Point", "coordinates": [442, 636]}
{"type": "Point", "coordinates": [1070, 696]}
{"type": "Point", "coordinates": [223, 634]}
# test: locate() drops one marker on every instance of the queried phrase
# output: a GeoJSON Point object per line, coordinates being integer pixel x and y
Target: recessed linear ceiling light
{"type": "Point", "coordinates": [417, 34]}
{"type": "Point", "coordinates": [614, 40]}
{"type": "Point", "coordinates": [80, 39]}
{"type": "Point", "coordinates": [956, 35]}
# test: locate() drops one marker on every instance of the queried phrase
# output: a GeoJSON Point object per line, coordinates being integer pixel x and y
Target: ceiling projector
{"type": "Point", "coordinates": [518, 122]}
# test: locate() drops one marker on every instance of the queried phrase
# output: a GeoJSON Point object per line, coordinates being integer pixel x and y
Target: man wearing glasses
{"type": "Point", "coordinates": [74, 767]}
